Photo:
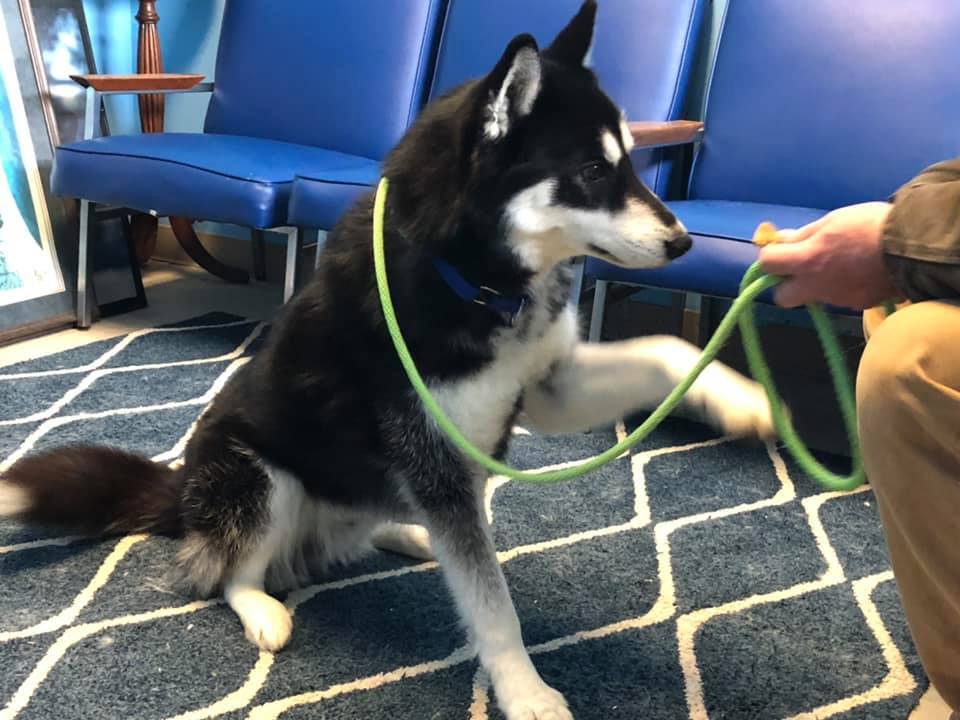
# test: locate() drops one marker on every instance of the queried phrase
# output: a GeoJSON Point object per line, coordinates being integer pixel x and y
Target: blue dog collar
{"type": "Point", "coordinates": [489, 298]}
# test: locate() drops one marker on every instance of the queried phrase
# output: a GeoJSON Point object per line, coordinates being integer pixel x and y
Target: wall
{"type": "Point", "coordinates": [189, 33]}
{"type": "Point", "coordinates": [112, 36]}
{"type": "Point", "coordinates": [189, 30]}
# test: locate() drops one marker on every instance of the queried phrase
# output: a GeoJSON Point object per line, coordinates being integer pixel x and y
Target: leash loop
{"type": "Point", "coordinates": [741, 311]}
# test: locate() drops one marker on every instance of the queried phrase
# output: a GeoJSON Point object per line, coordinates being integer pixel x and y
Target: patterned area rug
{"type": "Point", "coordinates": [695, 578]}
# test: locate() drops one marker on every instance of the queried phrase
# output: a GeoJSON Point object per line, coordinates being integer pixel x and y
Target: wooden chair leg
{"type": "Point", "coordinates": [183, 229]}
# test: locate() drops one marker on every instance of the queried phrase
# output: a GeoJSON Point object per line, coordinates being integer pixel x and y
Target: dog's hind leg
{"type": "Point", "coordinates": [266, 621]}
{"type": "Point", "coordinates": [240, 519]}
{"type": "Point", "coordinates": [403, 539]}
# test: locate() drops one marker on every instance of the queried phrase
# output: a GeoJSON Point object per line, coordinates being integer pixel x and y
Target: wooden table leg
{"type": "Point", "coordinates": [149, 60]}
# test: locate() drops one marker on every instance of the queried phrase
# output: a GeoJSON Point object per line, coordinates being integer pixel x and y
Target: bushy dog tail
{"type": "Point", "coordinates": [92, 491]}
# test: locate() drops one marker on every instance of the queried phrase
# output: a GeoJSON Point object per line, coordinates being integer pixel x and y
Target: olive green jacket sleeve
{"type": "Point", "coordinates": [922, 234]}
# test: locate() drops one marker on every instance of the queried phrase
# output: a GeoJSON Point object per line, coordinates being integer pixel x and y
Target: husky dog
{"type": "Point", "coordinates": [319, 446]}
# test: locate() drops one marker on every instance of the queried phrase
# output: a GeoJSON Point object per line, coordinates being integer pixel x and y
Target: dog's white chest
{"type": "Point", "coordinates": [480, 404]}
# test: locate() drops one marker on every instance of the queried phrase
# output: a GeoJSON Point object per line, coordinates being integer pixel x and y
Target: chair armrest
{"type": "Point", "coordinates": [143, 83]}
{"type": "Point", "coordinates": [96, 86]}
{"type": "Point", "coordinates": [664, 134]}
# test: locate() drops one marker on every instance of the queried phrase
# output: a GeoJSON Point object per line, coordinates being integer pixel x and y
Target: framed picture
{"type": "Point", "coordinates": [36, 288]}
{"type": "Point", "coordinates": [59, 43]}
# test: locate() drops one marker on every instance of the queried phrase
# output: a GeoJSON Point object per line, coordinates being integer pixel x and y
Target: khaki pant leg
{"type": "Point", "coordinates": [908, 401]}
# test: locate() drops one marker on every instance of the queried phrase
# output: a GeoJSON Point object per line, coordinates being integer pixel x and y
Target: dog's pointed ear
{"type": "Point", "coordinates": [510, 90]}
{"type": "Point", "coordinates": [572, 46]}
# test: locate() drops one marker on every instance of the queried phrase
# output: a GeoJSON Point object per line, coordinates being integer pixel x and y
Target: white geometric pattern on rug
{"type": "Point", "coordinates": [67, 631]}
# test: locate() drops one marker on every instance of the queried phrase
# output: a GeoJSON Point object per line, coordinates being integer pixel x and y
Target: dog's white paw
{"type": "Point", "coordinates": [409, 540]}
{"type": "Point", "coordinates": [266, 622]}
{"type": "Point", "coordinates": [541, 702]}
{"type": "Point", "coordinates": [739, 407]}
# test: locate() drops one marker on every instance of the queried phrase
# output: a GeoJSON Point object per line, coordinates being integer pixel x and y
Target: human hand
{"type": "Point", "coordinates": [838, 260]}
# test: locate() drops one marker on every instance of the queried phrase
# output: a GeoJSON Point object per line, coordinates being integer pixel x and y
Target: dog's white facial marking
{"type": "Point", "coordinates": [543, 233]}
{"type": "Point", "coordinates": [625, 133]}
{"type": "Point", "coordinates": [634, 237]}
{"type": "Point", "coordinates": [640, 223]}
{"type": "Point", "coordinates": [535, 227]}
{"type": "Point", "coordinates": [529, 210]}
{"type": "Point", "coordinates": [13, 499]}
{"type": "Point", "coordinates": [524, 77]}
{"type": "Point", "coordinates": [611, 148]}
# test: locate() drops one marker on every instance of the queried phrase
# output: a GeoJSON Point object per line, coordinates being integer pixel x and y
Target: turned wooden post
{"type": "Point", "coordinates": [144, 227]}
{"type": "Point", "coordinates": [149, 60]}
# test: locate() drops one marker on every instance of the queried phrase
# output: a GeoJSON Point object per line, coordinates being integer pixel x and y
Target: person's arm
{"type": "Point", "coordinates": [861, 255]}
{"type": "Point", "coordinates": [921, 237]}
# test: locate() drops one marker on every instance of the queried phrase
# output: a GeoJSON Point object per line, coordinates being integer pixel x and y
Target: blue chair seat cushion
{"type": "Point", "coordinates": [225, 178]}
{"type": "Point", "coordinates": [722, 249]}
{"type": "Point", "coordinates": [318, 202]}
{"type": "Point", "coordinates": [738, 220]}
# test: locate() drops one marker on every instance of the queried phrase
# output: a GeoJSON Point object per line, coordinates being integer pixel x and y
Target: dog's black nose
{"type": "Point", "coordinates": [678, 246]}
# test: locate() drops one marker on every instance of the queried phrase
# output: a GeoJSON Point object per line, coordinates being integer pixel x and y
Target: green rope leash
{"type": "Point", "coordinates": [754, 283]}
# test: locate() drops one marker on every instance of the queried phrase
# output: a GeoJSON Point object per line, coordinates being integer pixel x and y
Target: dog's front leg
{"type": "Point", "coordinates": [599, 383]}
{"type": "Point", "coordinates": [461, 541]}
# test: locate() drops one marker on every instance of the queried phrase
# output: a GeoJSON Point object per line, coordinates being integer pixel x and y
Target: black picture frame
{"type": "Point", "coordinates": [117, 282]}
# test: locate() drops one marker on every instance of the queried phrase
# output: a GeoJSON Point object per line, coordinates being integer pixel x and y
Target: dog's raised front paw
{"type": "Point", "coordinates": [539, 703]}
{"type": "Point", "coordinates": [740, 408]}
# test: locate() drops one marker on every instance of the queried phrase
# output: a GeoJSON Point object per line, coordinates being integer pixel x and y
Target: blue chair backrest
{"type": "Point", "coordinates": [643, 50]}
{"type": "Point", "coordinates": [823, 103]}
{"type": "Point", "coordinates": [347, 75]}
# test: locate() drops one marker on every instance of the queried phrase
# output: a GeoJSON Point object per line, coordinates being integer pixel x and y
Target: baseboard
{"type": "Point", "coordinates": [44, 327]}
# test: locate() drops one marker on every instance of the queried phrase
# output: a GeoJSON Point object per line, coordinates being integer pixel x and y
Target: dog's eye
{"type": "Point", "coordinates": [593, 172]}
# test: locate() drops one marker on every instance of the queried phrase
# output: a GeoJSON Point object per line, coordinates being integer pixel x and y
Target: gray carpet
{"type": "Point", "coordinates": [697, 578]}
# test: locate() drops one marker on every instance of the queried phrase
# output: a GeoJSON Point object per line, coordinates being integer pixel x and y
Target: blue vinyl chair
{"type": "Point", "coordinates": [643, 54]}
{"type": "Point", "coordinates": [811, 106]}
{"type": "Point", "coordinates": [318, 88]}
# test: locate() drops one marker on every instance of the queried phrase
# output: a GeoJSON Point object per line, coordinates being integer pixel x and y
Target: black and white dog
{"type": "Point", "coordinates": [319, 445]}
